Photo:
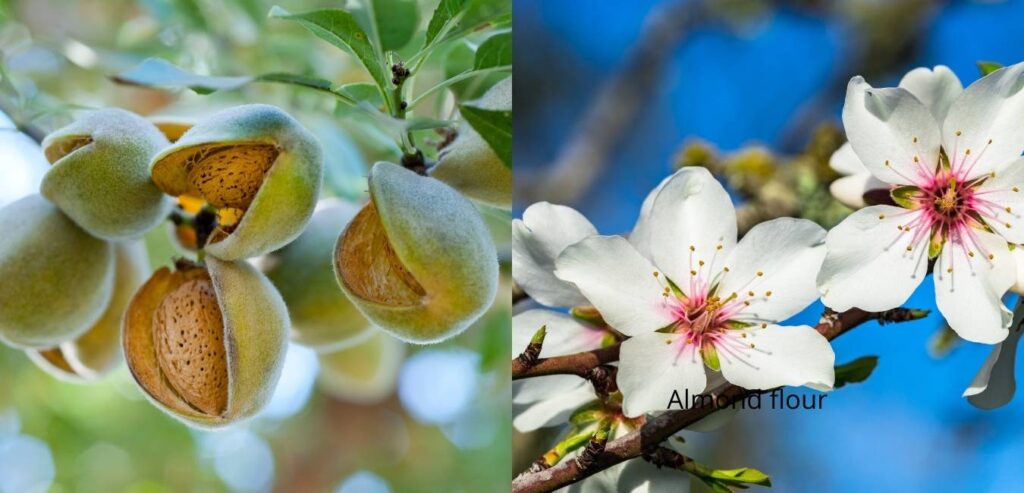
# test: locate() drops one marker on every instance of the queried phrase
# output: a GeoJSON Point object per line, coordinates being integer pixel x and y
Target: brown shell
{"type": "Point", "coordinates": [188, 331]}
{"type": "Point", "coordinates": [369, 266]}
{"type": "Point", "coordinates": [149, 317]}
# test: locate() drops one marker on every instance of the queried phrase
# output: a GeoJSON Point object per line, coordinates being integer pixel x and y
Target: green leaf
{"type": "Point", "coordinates": [744, 475]}
{"type": "Point", "coordinates": [359, 92]}
{"type": "Point", "coordinates": [942, 342]}
{"type": "Point", "coordinates": [494, 52]}
{"type": "Point", "coordinates": [855, 371]}
{"type": "Point", "coordinates": [341, 29]}
{"type": "Point", "coordinates": [988, 67]}
{"type": "Point", "coordinates": [156, 72]}
{"type": "Point", "coordinates": [495, 126]}
{"type": "Point", "coordinates": [395, 21]}
{"type": "Point", "coordinates": [443, 14]}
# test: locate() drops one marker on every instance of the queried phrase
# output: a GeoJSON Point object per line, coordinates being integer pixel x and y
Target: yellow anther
{"type": "Point", "coordinates": [719, 247]}
{"type": "Point", "coordinates": [958, 133]}
{"type": "Point", "coordinates": [750, 293]}
{"type": "Point", "coordinates": [915, 140]}
{"type": "Point", "coordinates": [751, 345]}
{"type": "Point", "coordinates": [970, 254]}
{"type": "Point", "coordinates": [768, 293]}
{"type": "Point", "coordinates": [1008, 225]}
{"type": "Point", "coordinates": [764, 325]}
{"type": "Point", "coordinates": [989, 141]}
{"type": "Point", "coordinates": [693, 248]}
{"type": "Point", "coordinates": [693, 272]}
{"type": "Point", "coordinates": [887, 162]}
{"type": "Point", "coordinates": [759, 273]}
{"type": "Point", "coordinates": [726, 269]}
{"type": "Point", "coordinates": [1008, 210]}
{"type": "Point", "coordinates": [910, 248]}
{"type": "Point", "coordinates": [881, 216]}
{"type": "Point", "coordinates": [700, 263]}
{"type": "Point", "coordinates": [991, 256]}
{"type": "Point", "coordinates": [655, 273]}
{"type": "Point", "coordinates": [1015, 189]}
{"type": "Point", "coordinates": [916, 160]}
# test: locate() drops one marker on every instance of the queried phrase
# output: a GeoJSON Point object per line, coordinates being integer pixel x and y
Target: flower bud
{"type": "Point", "coordinates": [98, 351]}
{"type": "Point", "coordinates": [257, 166]}
{"type": "Point", "coordinates": [322, 317]}
{"type": "Point", "coordinates": [206, 345]}
{"type": "Point", "coordinates": [365, 373]}
{"type": "Point", "coordinates": [469, 164]}
{"type": "Point", "coordinates": [100, 174]}
{"type": "Point", "coordinates": [56, 279]}
{"type": "Point", "coordinates": [417, 260]}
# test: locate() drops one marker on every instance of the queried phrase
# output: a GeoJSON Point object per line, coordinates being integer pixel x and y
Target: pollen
{"type": "Point", "coordinates": [743, 335]}
{"type": "Point", "coordinates": [668, 341]}
{"type": "Point", "coordinates": [991, 257]}
{"type": "Point", "coordinates": [967, 152]}
{"type": "Point", "coordinates": [1015, 189]}
{"type": "Point", "coordinates": [916, 159]}
{"type": "Point", "coordinates": [1009, 210]}
{"type": "Point", "coordinates": [719, 247]}
{"type": "Point", "coordinates": [750, 293]}
{"type": "Point", "coordinates": [887, 162]}
{"type": "Point", "coordinates": [1008, 226]}
{"type": "Point", "coordinates": [915, 140]}
{"type": "Point", "coordinates": [693, 272]}
{"type": "Point", "coordinates": [759, 273]}
{"type": "Point", "coordinates": [746, 303]}
{"type": "Point", "coordinates": [693, 248]}
{"type": "Point", "coordinates": [725, 269]}
{"type": "Point", "coordinates": [949, 270]}
{"type": "Point", "coordinates": [768, 293]}
{"type": "Point", "coordinates": [751, 345]}
{"type": "Point", "coordinates": [700, 263]}
{"type": "Point", "coordinates": [958, 133]}
{"type": "Point", "coordinates": [989, 141]}
{"type": "Point", "coordinates": [910, 248]}
{"type": "Point", "coordinates": [970, 254]}
{"type": "Point", "coordinates": [882, 216]}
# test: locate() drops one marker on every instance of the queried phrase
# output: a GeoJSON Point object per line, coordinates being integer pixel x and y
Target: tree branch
{"type": "Point", "coordinates": [659, 428]}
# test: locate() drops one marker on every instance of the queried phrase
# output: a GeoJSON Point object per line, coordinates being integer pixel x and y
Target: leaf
{"type": "Point", "coordinates": [395, 21]}
{"type": "Point", "coordinates": [855, 371]}
{"type": "Point", "coordinates": [494, 52]}
{"type": "Point", "coordinates": [443, 14]}
{"type": "Point", "coordinates": [340, 29]}
{"type": "Point", "coordinates": [156, 72]}
{"type": "Point", "coordinates": [743, 475]}
{"type": "Point", "coordinates": [495, 126]}
{"type": "Point", "coordinates": [359, 92]}
{"type": "Point", "coordinates": [988, 67]}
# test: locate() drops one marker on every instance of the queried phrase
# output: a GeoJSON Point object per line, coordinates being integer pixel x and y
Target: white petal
{"type": "Point", "coordinates": [545, 230]}
{"type": "Point", "coordinates": [652, 366]}
{"type": "Point", "coordinates": [968, 290]}
{"type": "Point", "coordinates": [553, 411]}
{"type": "Point", "coordinates": [998, 191]}
{"type": "Point", "coordinates": [694, 220]}
{"type": "Point", "coordinates": [1018, 258]}
{"type": "Point", "coordinates": [775, 356]}
{"type": "Point", "coordinates": [994, 385]}
{"type": "Point", "coordinates": [774, 268]}
{"type": "Point", "coordinates": [565, 335]}
{"type": "Point", "coordinates": [867, 264]}
{"type": "Point", "coordinates": [889, 125]}
{"type": "Point", "coordinates": [542, 388]}
{"type": "Point", "coordinates": [936, 89]}
{"type": "Point", "coordinates": [850, 190]}
{"type": "Point", "coordinates": [640, 237]}
{"type": "Point", "coordinates": [617, 280]}
{"type": "Point", "coordinates": [991, 108]}
{"type": "Point", "coordinates": [640, 476]}
{"type": "Point", "coordinates": [845, 162]}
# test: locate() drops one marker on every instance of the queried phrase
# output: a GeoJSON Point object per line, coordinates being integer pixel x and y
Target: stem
{"type": "Point", "coordinates": [659, 428]}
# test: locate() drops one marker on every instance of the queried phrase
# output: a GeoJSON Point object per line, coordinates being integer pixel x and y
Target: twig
{"type": "Point", "coordinates": [618, 102]}
{"type": "Point", "coordinates": [661, 427]}
{"type": "Point", "coordinates": [579, 364]}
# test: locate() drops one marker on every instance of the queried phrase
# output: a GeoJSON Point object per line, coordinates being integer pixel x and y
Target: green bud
{"type": "Point", "coordinates": [417, 260]}
{"type": "Point", "coordinates": [257, 166]}
{"type": "Point", "coordinates": [100, 174]}
{"type": "Point", "coordinates": [57, 279]}
{"type": "Point", "coordinates": [470, 166]}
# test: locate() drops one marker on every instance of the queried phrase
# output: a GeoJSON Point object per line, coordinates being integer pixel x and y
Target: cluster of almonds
{"type": "Point", "coordinates": [205, 341]}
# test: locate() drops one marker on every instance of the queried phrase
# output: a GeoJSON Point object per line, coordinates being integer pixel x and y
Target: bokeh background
{"type": "Point", "coordinates": [435, 418]}
{"type": "Point", "coordinates": [770, 75]}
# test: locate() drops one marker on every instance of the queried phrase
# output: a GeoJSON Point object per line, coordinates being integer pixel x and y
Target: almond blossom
{"type": "Point", "coordinates": [936, 89]}
{"type": "Point", "coordinates": [699, 298]}
{"type": "Point", "coordinates": [957, 181]}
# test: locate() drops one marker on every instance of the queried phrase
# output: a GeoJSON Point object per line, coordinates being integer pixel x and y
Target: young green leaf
{"type": "Point", "coordinates": [988, 67]}
{"type": "Point", "coordinates": [496, 51]}
{"type": "Point", "coordinates": [495, 126]}
{"type": "Point", "coordinates": [395, 21]}
{"type": "Point", "coordinates": [340, 29]}
{"type": "Point", "coordinates": [360, 92]}
{"type": "Point", "coordinates": [443, 14]}
{"type": "Point", "coordinates": [855, 371]}
{"type": "Point", "coordinates": [156, 72]}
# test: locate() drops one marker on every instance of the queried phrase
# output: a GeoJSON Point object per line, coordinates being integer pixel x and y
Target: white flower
{"type": "Point", "coordinates": [545, 230]}
{"type": "Point", "coordinates": [936, 89]}
{"type": "Point", "coordinates": [958, 183]}
{"type": "Point", "coordinates": [994, 385]}
{"type": "Point", "coordinates": [710, 299]}
{"type": "Point", "coordinates": [550, 400]}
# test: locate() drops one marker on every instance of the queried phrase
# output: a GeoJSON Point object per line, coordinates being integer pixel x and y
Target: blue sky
{"type": "Point", "coordinates": [907, 428]}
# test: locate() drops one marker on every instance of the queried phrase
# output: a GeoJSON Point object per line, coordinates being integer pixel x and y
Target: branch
{"type": "Point", "coordinates": [579, 364]}
{"type": "Point", "coordinates": [659, 428]}
{"type": "Point", "coordinates": [619, 102]}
